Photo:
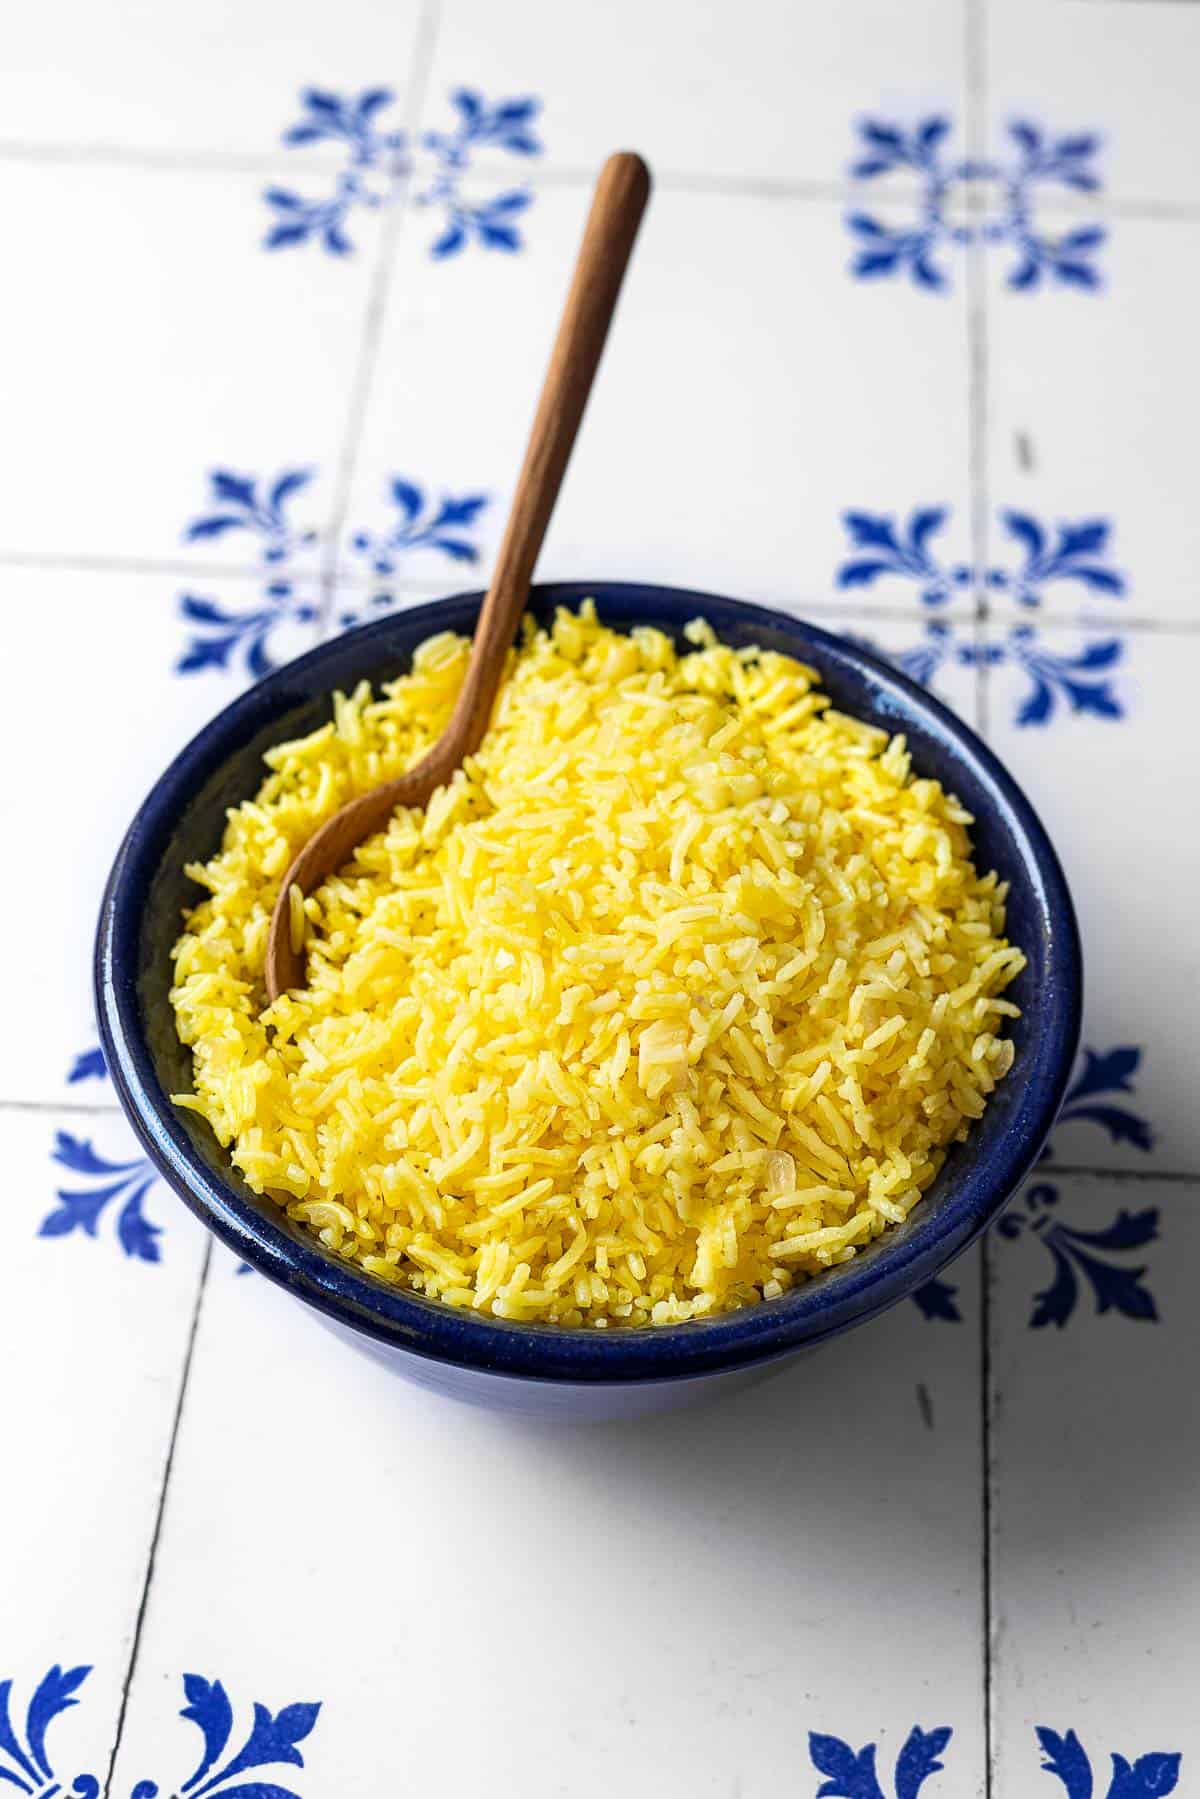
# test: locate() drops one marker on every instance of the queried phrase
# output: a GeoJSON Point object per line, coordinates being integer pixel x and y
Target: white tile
{"type": "Point", "coordinates": [613, 1599]}
{"type": "Point", "coordinates": [153, 341]}
{"type": "Point", "coordinates": [1124, 70]}
{"type": "Point", "coordinates": [1093, 401]}
{"type": "Point", "coordinates": [95, 1341]}
{"type": "Point", "coordinates": [1096, 1488]}
{"type": "Point", "coordinates": [1110, 790]}
{"type": "Point", "coordinates": [763, 90]}
{"type": "Point", "coordinates": [740, 409]}
{"type": "Point", "coordinates": [131, 78]}
{"type": "Point", "coordinates": [104, 650]}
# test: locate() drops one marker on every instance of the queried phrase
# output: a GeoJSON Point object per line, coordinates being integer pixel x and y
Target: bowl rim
{"type": "Point", "coordinates": [553, 1353]}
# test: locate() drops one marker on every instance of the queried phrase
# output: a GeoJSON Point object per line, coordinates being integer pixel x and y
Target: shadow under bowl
{"type": "Point", "coordinates": [544, 1370]}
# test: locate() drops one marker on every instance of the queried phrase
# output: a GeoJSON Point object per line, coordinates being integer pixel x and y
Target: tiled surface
{"type": "Point", "coordinates": [1118, 66]}
{"type": "Point", "coordinates": [103, 649]}
{"type": "Point", "coordinates": [504, 1526]}
{"type": "Point", "coordinates": [946, 412]}
{"type": "Point", "coordinates": [1092, 417]}
{"type": "Point", "coordinates": [1098, 1479]}
{"type": "Point", "coordinates": [761, 92]}
{"type": "Point", "coordinates": [129, 79]}
{"type": "Point", "coordinates": [242, 359]}
{"type": "Point", "coordinates": [95, 1358]}
{"type": "Point", "coordinates": [734, 423]}
{"type": "Point", "coordinates": [1107, 807]}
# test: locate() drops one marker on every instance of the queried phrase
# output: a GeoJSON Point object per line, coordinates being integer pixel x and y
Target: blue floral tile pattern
{"type": "Point", "coordinates": [421, 524]}
{"type": "Point", "coordinates": [443, 526]}
{"type": "Point", "coordinates": [243, 506]}
{"type": "Point", "coordinates": [23, 1759]}
{"type": "Point", "coordinates": [508, 126]}
{"type": "Point", "coordinates": [223, 635]}
{"type": "Point", "coordinates": [1045, 558]}
{"type": "Point", "coordinates": [1091, 1099]}
{"type": "Point", "coordinates": [373, 158]}
{"type": "Point", "coordinates": [1146, 1778]}
{"type": "Point", "coordinates": [122, 1186]}
{"type": "Point", "coordinates": [437, 164]}
{"type": "Point", "coordinates": [103, 1185]}
{"type": "Point", "coordinates": [1083, 682]}
{"type": "Point", "coordinates": [1089, 1254]}
{"type": "Point", "coordinates": [938, 1299]}
{"type": "Point", "coordinates": [243, 640]}
{"type": "Point", "coordinates": [956, 207]}
{"type": "Point", "coordinates": [271, 1742]}
{"type": "Point", "coordinates": [89, 1065]}
{"type": "Point", "coordinates": [851, 1774]}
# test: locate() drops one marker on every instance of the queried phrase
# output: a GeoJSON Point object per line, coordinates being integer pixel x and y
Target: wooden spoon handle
{"type": "Point", "coordinates": [617, 207]}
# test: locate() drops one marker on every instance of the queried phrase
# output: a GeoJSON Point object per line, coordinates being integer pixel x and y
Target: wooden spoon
{"type": "Point", "coordinates": [617, 206]}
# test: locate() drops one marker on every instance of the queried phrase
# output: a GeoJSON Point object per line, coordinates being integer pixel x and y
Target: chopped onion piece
{"type": "Point", "coordinates": [662, 1050]}
{"type": "Point", "coordinates": [781, 1172]}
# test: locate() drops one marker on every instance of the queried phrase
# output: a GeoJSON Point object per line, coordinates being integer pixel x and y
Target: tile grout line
{"type": "Point", "coordinates": [201, 162]}
{"type": "Point", "coordinates": [986, 1467]}
{"type": "Point", "coordinates": [143, 1603]}
{"type": "Point", "coordinates": [67, 1108]}
{"type": "Point", "coordinates": [975, 75]}
{"type": "Point", "coordinates": [1090, 622]}
{"type": "Point", "coordinates": [840, 190]}
{"type": "Point", "coordinates": [983, 685]}
{"type": "Point", "coordinates": [356, 410]}
{"type": "Point", "coordinates": [1168, 1177]}
{"type": "Point", "coordinates": [978, 469]}
{"type": "Point", "coordinates": [84, 563]}
{"type": "Point", "coordinates": [420, 73]}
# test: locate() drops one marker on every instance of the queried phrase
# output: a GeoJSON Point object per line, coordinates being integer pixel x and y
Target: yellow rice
{"type": "Point", "coordinates": [673, 997]}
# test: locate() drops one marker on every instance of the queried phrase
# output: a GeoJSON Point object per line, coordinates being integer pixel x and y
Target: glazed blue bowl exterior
{"type": "Point", "coordinates": [556, 1372]}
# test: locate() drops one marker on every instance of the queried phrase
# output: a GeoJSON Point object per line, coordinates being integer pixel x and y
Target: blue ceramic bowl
{"type": "Point", "coordinates": [556, 1371]}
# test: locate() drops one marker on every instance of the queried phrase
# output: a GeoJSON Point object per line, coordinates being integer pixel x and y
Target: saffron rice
{"type": "Point", "coordinates": [673, 997]}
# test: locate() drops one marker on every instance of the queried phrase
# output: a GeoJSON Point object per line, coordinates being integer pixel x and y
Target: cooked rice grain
{"type": "Point", "coordinates": [674, 996]}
